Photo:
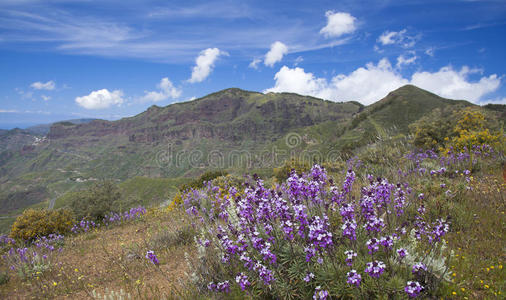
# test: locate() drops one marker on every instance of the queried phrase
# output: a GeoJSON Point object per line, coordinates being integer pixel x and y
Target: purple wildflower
{"type": "Point", "coordinates": [320, 294]}
{"type": "Point", "coordinates": [242, 280]}
{"type": "Point", "coordinates": [353, 278]}
{"type": "Point", "coordinates": [413, 289]}
{"type": "Point", "coordinates": [375, 268]}
{"type": "Point", "coordinates": [418, 267]}
{"type": "Point", "coordinates": [152, 257]}
{"type": "Point", "coordinates": [372, 245]}
{"type": "Point", "coordinates": [402, 252]}
{"type": "Point", "coordinates": [349, 228]}
{"type": "Point", "coordinates": [350, 254]}
{"type": "Point", "coordinates": [309, 277]}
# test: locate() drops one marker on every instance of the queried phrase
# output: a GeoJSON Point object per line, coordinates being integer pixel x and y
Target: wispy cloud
{"type": "Point", "coordinates": [482, 25]}
{"type": "Point", "coordinates": [48, 86]}
{"type": "Point", "coordinates": [169, 33]}
{"type": "Point", "coordinates": [208, 10]}
{"type": "Point", "coordinates": [401, 38]}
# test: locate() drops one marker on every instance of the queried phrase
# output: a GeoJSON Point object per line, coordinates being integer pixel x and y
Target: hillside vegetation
{"type": "Point", "coordinates": [169, 253]}
{"type": "Point", "coordinates": [235, 130]}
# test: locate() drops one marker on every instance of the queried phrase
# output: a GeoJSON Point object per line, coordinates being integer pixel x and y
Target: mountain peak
{"type": "Point", "coordinates": [412, 89]}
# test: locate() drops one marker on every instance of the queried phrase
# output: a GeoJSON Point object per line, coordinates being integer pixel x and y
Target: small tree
{"type": "Point", "coordinates": [97, 201]}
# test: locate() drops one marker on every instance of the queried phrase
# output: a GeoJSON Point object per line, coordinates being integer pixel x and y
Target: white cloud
{"type": "Point", "coordinates": [100, 99]}
{"type": "Point", "coordinates": [363, 85]}
{"type": "Point", "coordinates": [167, 90]}
{"type": "Point", "coordinates": [297, 81]}
{"type": "Point", "coordinates": [453, 84]}
{"type": "Point", "coordinates": [254, 63]}
{"type": "Point", "coordinates": [398, 37]}
{"type": "Point", "coordinates": [204, 64]}
{"type": "Point", "coordinates": [406, 59]}
{"type": "Point", "coordinates": [49, 86]}
{"type": "Point", "coordinates": [8, 111]}
{"type": "Point", "coordinates": [275, 54]}
{"type": "Point", "coordinates": [45, 98]}
{"type": "Point", "coordinates": [338, 23]}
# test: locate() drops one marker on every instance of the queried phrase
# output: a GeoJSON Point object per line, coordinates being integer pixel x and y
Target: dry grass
{"type": "Point", "coordinates": [113, 259]}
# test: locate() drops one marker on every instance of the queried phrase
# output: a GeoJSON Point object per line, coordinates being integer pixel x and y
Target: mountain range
{"type": "Point", "coordinates": [231, 129]}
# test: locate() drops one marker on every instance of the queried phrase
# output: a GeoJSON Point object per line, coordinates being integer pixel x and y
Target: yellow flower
{"type": "Point", "coordinates": [491, 267]}
{"type": "Point", "coordinates": [486, 286]}
{"type": "Point", "coordinates": [500, 267]}
{"type": "Point", "coordinates": [463, 289]}
{"type": "Point", "coordinates": [454, 293]}
{"type": "Point", "coordinates": [454, 274]}
{"type": "Point", "coordinates": [76, 270]}
{"type": "Point", "coordinates": [54, 283]}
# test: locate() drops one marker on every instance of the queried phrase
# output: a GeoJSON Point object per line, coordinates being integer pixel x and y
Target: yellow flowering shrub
{"type": "Point", "coordinates": [34, 223]}
{"type": "Point", "coordinates": [472, 130]}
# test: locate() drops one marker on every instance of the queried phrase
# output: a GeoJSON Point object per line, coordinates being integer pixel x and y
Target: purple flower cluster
{"type": "Point", "coordinates": [402, 253]}
{"type": "Point", "coordinates": [375, 268]}
{"type": "Point", "coordinates": [353, 278]}
{"type": "Point", "coordinates": [223, 287]}
{"type": "Point", "coordinates": [39, 252]}
{"type": "Point", "coordinates": [6, 240]}
{"type": "Point", "coordinates": [350, 254]}
{"type": "Point", "coordinates": [308, 277]}
{"type": "Point", "coordinates": [309, 217]}
{"type": "Point", "coordinates": [242, 280]}
{"type": "Point", "coordinates": [133, 213]}
{"type": "Point", "coordinates": [83, 226]}
{"type": "Point", "coordinates": [152, 257]}
{"type": "Point", "coordinates": [320, 294]}
{"type": "Point", "coordinates": [450, 159]}
{"type": "Point", "coordinates": [109, 219]}
{"type": "Point", "coordinates": [413, 289]}
{"type": "Point", "coordinates": [418, 268]}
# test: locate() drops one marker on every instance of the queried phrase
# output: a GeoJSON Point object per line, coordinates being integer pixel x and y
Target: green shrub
{"type": "Point", "coordinates": [4, 277]}
{"type": "Point", "coordinates": [283, 172]}
{"type": "Point", "coordinates": [97, 201]}
{"type": "Point", "coordinates": [35, 223]}
{"type": "Point", "coordinates": [199, 182]}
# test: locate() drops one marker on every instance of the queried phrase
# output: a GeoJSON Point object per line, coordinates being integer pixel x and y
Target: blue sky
{"type": "Point", "coordinates": [111, 59]}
